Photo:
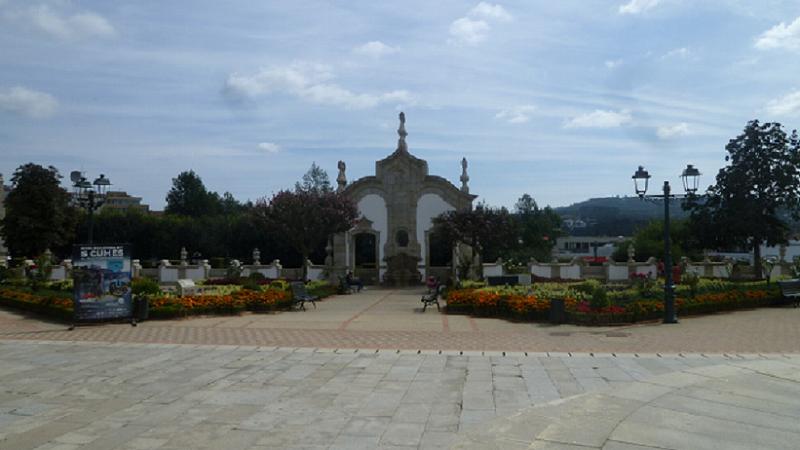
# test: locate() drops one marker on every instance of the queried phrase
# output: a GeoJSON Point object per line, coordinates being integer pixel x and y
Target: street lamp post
{"type": "Point", "coordinates": [690, 177]}
{"type": "Point", "coordinates": [90, 196]}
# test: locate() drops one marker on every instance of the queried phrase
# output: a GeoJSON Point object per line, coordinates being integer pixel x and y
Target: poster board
{"type": "Point", "coordinates": [102, 279]}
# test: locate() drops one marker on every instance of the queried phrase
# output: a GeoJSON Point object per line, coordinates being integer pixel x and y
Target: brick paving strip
{"type": "Point", "coordinates": [769, 330]}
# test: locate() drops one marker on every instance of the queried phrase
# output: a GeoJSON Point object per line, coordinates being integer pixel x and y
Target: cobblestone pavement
{"type": "Point", "coordinates": [91, 395]}
{"type": "Point", "coordinates": [382, 319]}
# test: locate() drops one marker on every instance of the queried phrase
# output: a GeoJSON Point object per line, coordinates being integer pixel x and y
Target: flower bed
{"type": "Point", "coordinates": [166, 306]}
{"type": "Point", "coordinates": [532, 303]}
{"type": "Point", "coordinates": [51, 303]}
{"type": "Point", "coordinates": [59, 304]}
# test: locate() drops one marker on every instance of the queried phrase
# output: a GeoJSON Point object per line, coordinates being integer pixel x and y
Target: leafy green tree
{"type": "Point", "coordinates": [538, 229]}
{"type": "Point", "coordinates": [648, 242]}
{"type": "Point", "coordinates": [490, 232]}
{"type": "Point", "coordinates": [38, 212]}
{"type": "Point", "coordinates": [306, 219]}
{"type": "Point", "coordinates": [315, 180]}
{"type": "Point", "coordinates": [761, 180]}
{"type": "Point", "coordinates": [189, 197]}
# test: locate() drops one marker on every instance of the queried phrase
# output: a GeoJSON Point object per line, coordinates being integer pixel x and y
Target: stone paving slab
{"type": "Point", "coordinates": [131, 396]}
{"type": "Point", "coordinates": [733, 405]}
{"type": "Point", "coordinates": [372, 371]}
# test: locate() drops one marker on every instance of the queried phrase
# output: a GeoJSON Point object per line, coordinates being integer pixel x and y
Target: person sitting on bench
{"type": "Point", "coordinates": [354, 282]}
{"type": "Point", "coordinates": [431, 283]}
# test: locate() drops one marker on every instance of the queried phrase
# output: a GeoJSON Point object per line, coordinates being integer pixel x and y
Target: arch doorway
{"type": "Point", "coordinates": [440, 257]}
{"type": "Point", "coordinates": [366, 257]}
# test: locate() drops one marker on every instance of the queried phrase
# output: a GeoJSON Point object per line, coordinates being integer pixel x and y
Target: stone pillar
{"type": "Point", "coordinates": [341, 179]}
{"type": "Point", "coordinates": [464, 176]}
{"type": "Point", "coordinates": [136, 268]}
{"type": "Point", "coordinates": [184, 256]}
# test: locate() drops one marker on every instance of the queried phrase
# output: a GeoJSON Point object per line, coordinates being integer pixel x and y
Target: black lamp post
{"type": "Point", "coordinates": [691, 179]}
{"type": "Point", "coordinates": [91, 196]}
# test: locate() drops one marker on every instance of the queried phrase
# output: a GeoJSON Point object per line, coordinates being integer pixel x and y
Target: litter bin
{"type": "Point", "coordinates": [557, 311]}
{"type": "Point", "coordinates": [141, 307]}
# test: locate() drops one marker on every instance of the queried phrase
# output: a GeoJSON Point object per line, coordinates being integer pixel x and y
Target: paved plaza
{"type": "Point", "coordinates": [370, 371]}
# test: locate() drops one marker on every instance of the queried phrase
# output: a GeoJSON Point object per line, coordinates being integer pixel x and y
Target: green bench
{"type": "Point", "coordinates": [791, 289]}
{"type": "Point", "coordinates": [301, 295]}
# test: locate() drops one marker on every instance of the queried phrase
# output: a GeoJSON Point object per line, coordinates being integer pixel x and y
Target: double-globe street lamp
{"type": "Point", "coordinates": [691, 179]}
{"type": "Point", "coordinates": [90, 196]}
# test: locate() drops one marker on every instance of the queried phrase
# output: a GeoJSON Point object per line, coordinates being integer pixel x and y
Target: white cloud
{"type": "Point", "coordinates": [600, 119]}
{"type": "Point", "coordinates": [374, 49]}
{"type": "Point", "coordinates": [613, 63]}
{"type": "Point", "coordinates": [490, 11]}
{"type": "Point", "coordinates": [27, 102]}
{"type": "Point", "coordinates": [786, 105]}
{"type": "Point", "coordinates": [638, 6]}
{"type": "Point", "coordinates": [682, 53]}
{"type": "Point", "coordinates": [780, 36]}
{"type": "Point", "coordinates": [673, 131]}
{"type": "Point", "coordinates": [75, 26]}
{"type": "Point", "coordinates": [473, 28]}
{"type": "Point", "coordinates": [310, 83]}
{"type": "Point", "coordinates": [517, 114]}
{"type": "Point", "coordinates": [269, 147]}
{"type": "Point", "coordinates": [468, 31]}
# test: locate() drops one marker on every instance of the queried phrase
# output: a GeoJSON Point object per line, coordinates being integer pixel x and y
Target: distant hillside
{"type": "Point", "coordinates": [613, 216]}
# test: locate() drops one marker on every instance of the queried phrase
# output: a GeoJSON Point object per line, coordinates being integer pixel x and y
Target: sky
{"type": "Point", "coordinates": [558, 99]}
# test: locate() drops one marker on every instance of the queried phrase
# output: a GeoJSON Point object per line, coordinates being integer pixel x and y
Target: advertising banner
{"type": "Point", "coordinates": [102, 276]}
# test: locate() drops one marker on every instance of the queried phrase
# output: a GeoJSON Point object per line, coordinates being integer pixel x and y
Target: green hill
{"type": "Point", "coordinates": [613, 216]}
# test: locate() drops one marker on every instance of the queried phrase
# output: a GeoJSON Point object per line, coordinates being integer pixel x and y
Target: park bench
{"type": "Point", "coordinates": [791, 289]}
{"type": "Point", "coordinates": [433, 297]}
{"type": "Point", "coordinates": [301, 295]}
{"type": "Point", "coordinates": [344, 286]}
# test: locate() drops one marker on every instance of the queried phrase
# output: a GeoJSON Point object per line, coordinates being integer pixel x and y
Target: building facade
{"type": "Point", "coordinates": [121, 201]}
{"type": "Point", "coordinates": [393, 242]}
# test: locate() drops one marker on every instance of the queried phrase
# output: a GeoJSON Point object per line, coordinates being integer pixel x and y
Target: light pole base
{"type": "Point", "coordinates": [670, 320]}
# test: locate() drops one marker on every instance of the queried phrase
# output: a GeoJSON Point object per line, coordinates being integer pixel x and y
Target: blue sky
{"type": "Point", "coordinates": [561, 100]}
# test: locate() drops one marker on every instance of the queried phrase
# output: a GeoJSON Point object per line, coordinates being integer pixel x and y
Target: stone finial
{"type": "Point", "coordinates": [341, 180]}
{"type": "Point", "coordinates": [256, 257]}
{"type": "Point", "coordinates": [401, 131]}
{"type": "Point", "coordinates": [184, 256]}
{"type": "Point", "coordinates": [464, 176]}
{"type": "Point", "coordinates": [782, 253]}
{"type": "Point", "coordinates": [48, 255]}
{"type": "Point", "coordinates": [631, 253]}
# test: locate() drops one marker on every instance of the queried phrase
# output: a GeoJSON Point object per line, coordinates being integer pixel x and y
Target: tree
{"type": "Point", "coordinates": [189, 197]}
{"type": "Point", "coordinates": [537, 228]}
{"type": "Point", "coordinates": [307, 219]}
{"type": "Point", "coordinates": [761, 180]}
{"type": "Point", "coordinates": [38, 212]}
{"type": "Point", "coordinates": [489, 231]}
{"type": "Point", "coordinates": [315, 180]}
{"type": "Point", "coordinates": [648, 241]}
